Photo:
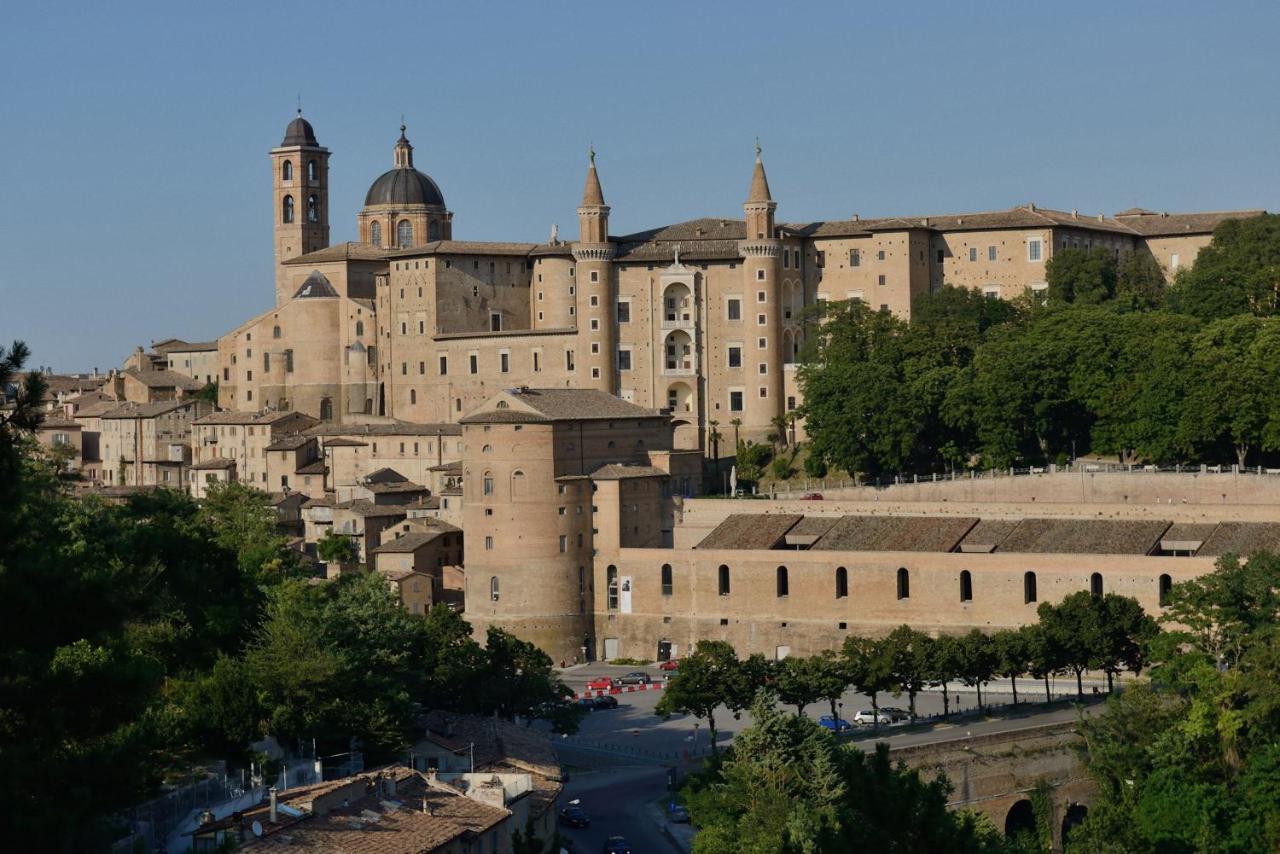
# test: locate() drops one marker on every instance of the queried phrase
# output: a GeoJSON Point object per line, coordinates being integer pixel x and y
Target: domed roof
{"type": "Point", "coordinates": [404, 186]}
{"type": "Point", "coordinates": [299, 132]}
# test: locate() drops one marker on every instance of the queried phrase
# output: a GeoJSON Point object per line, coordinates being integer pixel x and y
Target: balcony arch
{"type": "Point", "coordinates": [677, 305]}
{"type": "Point", "coordinates": [677, 353]}
{"type": "Point", "coordinates": [680, 398]}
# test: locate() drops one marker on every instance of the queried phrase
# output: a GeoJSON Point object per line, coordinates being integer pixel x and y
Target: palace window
{"type": "Point", "coordinates": [966, 586]}
{"type": "Point", "coordinates": [1166, 587]}
{"type": "Point", "coordinates": [735, 356]}
{"type": "Point", "coordinates": [286, 170]}
{"type": "Point", "coordinates": [666, 579]}
{"type": "Point", "coordinates": [733, 309]}
{"type": "Point", "coordinates": [493, 588]}
{"type": "Point", "coordinates": [1095, 584]}
{"type": "Point", "coordinates": [1033, 250]}
{"type": "Point", "coordinates": [724, 580]}
{"type": "Point", "coordinates": [842, 583]}
{"type": "Point", "coordinates": [855, 257]}
{"type": "Point", "coordinates": [991, 253]}
{"type": "Point", "coordinates": [312, 172]}
{"type": "Point", "coordinates": [904, 583]}
{"type": "Point", "coordinates": [404, 233]}
{"type": "Point", "coordinates": [313, 208]}
{"type": "Point", "coordinates": [375, 233]}
{"type": "Point", "coordinates": [286, 214]}
{"type": "Point", "coordinates": [1028, 587]}
{"type": "Point", "coordinates": [611, 582]}
{"type": "Point", "coordinates": [782, 584]}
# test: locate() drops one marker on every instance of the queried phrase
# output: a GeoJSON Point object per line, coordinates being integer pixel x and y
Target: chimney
{"type": "Point", "coordinates": [1031, 206]}
{"type": "Point", "coordinates": [857, 218]}
{"type": "Point", "coordinates": [426, 806]}
{"type": "Point", "coordinates": [272, 794]}
{"type": "Point", "coordinates": [1075, 214]}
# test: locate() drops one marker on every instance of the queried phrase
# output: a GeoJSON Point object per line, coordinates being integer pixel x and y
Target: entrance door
{"type": "Point", "coordinates": [611, 649]}
{"type": "Point", "coordinates": [664, 650]}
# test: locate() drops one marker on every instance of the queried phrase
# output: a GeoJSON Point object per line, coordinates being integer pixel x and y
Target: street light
{"type": "Point", "coordinates": [695, 739]}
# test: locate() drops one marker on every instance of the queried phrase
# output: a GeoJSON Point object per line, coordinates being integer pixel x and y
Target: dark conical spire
{"type": "Point", "coordinates": [592, 194]}
{"type": "Point", "coordinates": [759, 183]}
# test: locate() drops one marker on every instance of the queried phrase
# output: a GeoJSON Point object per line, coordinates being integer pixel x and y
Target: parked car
{"type": "Point", "coordinates": [616, 845]}
{"type": "Point", "coordinates": [868, 717]}
{"type": "Point", "coordinates": [896, 715]}
{"type": "Point", "coordinates": [601, 683]}
{"type": "Point", "coordinates": [812, 496]}
{"type": "Point", "coordinates": [670, 664]}
{"type": "Point", "coordinates": [635, 677]}
{"type": "Point", "coordinates": [605, 701]}
{"type": "Point", "coordinates": [574, 816]}
{"type": "Point", "coordinates": [588, 703]}
{"type": "Point", "coordinates": [834, 724]}
{"type": "Point", "coordinates": [678, 814]}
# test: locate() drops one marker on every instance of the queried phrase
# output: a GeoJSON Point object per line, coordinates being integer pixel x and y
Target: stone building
{"type": "Point", "coordinates": [704, 318]}
{"type": "Point", "coordinates": [148, 444]}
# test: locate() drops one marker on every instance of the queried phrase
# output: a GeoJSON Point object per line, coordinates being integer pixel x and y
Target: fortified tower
{"type": "Point", "coordinates": [760, 252]}
{"type": "Point", "coordinates": [300, 177]}
{"type": "Point", "coordinates": [597, 337]}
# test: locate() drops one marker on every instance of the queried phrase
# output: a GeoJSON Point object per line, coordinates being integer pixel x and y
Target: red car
{"type": "Point", "coordinates": [671, 664]}
{"type": "Point", "coordinates": [812, 496]}
{"type": "Point", "coordinates": [602, 683]}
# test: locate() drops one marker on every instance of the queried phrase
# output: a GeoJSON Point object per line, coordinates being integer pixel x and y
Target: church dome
{"type": "Point", "coordinates": [404, 186]}
{"type": "Point", "coordinates": [299, 132]}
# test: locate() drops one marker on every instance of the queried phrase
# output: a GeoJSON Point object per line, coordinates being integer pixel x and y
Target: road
{"type": "Point", "coordinates": [619, 757]}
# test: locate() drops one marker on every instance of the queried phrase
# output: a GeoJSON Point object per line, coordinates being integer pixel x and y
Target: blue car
{"type": "Point", "coordinates": [834, 724]}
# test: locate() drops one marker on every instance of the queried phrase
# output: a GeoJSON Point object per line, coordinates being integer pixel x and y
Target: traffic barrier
{"type": "Point", "coordinates": [619, 689]}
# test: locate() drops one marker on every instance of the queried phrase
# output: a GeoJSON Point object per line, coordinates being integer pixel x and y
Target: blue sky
{"type": "Point", "coordinates": [135, 188]}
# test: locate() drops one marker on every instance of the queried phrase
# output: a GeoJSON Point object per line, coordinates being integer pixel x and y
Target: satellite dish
{"type": "Point", "coordinates": [257, 828]}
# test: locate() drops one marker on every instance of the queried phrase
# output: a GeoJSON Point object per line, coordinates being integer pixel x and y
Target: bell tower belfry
{"type": "Point", "coordinates": [300, 182]}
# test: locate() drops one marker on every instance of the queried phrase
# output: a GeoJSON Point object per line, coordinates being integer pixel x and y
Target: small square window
{"type": "Point", "coordinates": [881, 279]}
{"type": "Point", "coordinates": [760, 295]}
{"type": "Point", "coordinates": [759, 275]}
{"type": "Point", "coordinates": [595, 275]}
{"type": "Point", "coordinates": [764, 368]}
{"type": "Point", "coordinates": [880, 255]}
{"type": "Point", "coordinates": [761, 319]}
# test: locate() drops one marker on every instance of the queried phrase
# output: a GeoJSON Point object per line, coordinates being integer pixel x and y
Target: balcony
{"type": "Point", "coordinates": [678, 320]}
{"type": "Point", "coordinates": [678, 368]}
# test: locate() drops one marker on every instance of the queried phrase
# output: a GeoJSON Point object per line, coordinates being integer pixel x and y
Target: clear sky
{"type": "Point", "coordinates": [135, 187]}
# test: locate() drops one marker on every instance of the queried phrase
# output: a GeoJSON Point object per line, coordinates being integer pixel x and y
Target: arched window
{"type": "Point", "coordinates": [724, 580]}
{"type": "Point", "coordinates": [313, 208]}
{"type": "Point", "coordinates": [966, 586]}
{"type": "Point", "coordinates": [359, 328]}
{"type": "Point", "coordinates": [433, 231]}
{"type": "Point", "coordinates": [312, 171]}
{"type": "Point", "coordinates": [326, 410]}
{"type": "Point", "coordinates": [493, 588]}
{"type": "Point", "coordinates": [375, 233]}
{"type": "Point", "coordinates": [1028, 587]}
{"type": "Point", "coordinates": [488, 483]}
{"type": "Point", "coordinates": [275, 332]}
{"type": "Point", "coordinates": [1095, 584]}
{"type": "Point", "coordinates": [404, 233]}
{"type": "Point", "coordinates": [842, 583]}
{"type": "Point", "coordinates": [517, 484]}
{"type": "Point", "coordinates": [413, 395]}
{"type": "Point", "coordinates": [286, 170]}
{"type": "Point", "coordinates": [611, 586]}
{"type": "Point", "coordinates": [487, 449]}
{"type": "Point", "coordinates": [783, 586]}
{"type": "Point", "coordinates": [666, 579]}
{"type": "Point", "coordinates": [904, 583]}
{"type": "Point", "coordinates": [1166, 587]}
{"type": "Point", "coordinates": [286, 213]}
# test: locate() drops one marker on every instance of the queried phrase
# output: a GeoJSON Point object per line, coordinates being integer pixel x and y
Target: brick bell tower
{"type": "Point", "coordinates": [300, 182]}
{"type": "Point", "coordinates": [760, 252]}
{"type": "Point", "coordinates": [596, 356]}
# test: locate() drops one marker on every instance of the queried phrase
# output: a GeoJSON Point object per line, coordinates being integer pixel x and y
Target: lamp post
{"type": "Point", "coordinates": [695, 739]}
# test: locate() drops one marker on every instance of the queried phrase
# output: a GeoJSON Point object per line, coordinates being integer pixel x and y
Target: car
{"type": "Point", "coordinates": [896, 715]}
{"type": "Point", "coordinates": [670, 664]}
{"type": "Point", "coordinates": [868, 717]}
{"type": "Point", "coordinates": [834, 724]}
{"type": "Point", "coordinates": [812, 496]}
{"type": "Point", "coordinates": [678, 814]}
{"type": "Point", "coordinates": [600, 683]}
{"type": "Point", "coordinates": [574, 816]}
{"type": "Point", "coordinates": [616, 845]}
{"type": "Point", "coordinates": [605, 701]}
{"type": "Point", "coordinates": [588, 703]}
{"type": "Point", "coordinates": [635, 677]}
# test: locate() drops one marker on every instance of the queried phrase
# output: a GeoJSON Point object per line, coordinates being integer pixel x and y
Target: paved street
{"type": "Point", "coordinates": [620, 801]}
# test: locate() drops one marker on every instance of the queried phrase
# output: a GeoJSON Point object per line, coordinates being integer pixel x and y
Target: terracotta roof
{"type": "Point", "coordinates": [622, 471]}
{"type": "Point", "coordinates": [412, 541]}
{"type": "Point", "coordinates": [146, 410]}
{"type": "Point", "coordinates": [350, 251]}
{"type": "Point", "coordinates": [368, 509]}
{"type": "Point", "coordinates": [592, 195]}
{"type": "Point", "coordinates": [1149, 224]}
{"type": "Point", "coordinates": [1241, 538]}
{"type": "Point", "coordinates": [59, 422]}
{"type": "Point", "coordinates": [186, 347]}
{"type": "Point", "coordinates": [323, 501]}
{"type": "Point", "coordinates": [498, 743]}
{"type": "Point", "coordinates": [454, 467]}
{"type": "Point", "coordinates": [1084, 536]}
{"type": "Point", "coordinates": [97, 409]}
{"type": "Point", "coordinates": [164, 379]}
{"type": "Point", "coordinates": [750, 531]}
{"type": "Point", "coordinates": [344, 442]}
{"type": "Point", "coordinates": [559, 404]}
{"type": "Point", "coordinates": [383, 428]}
{"type": "Point", "coordinates": [895, 534]}
{"type": "Point", "coordinates": [215, 463]}
{"type": "Point", "coordinates": [265, 417]}
{"type": "Point", "coordinates": [313, 467]}
{"type": "Point", "coordinates": [288, 442]}
{"type": "Point", "coordinates": [395, 488]}
{"type": "Point", "coordinates": [385, 475]}
{"type": "Point", "coordinates": [463, 247]}
{"type": "Point", "coordinates": [987, 535]}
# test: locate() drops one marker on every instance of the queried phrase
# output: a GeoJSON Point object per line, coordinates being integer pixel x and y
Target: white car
{"type": "Point", "coordinates": [868, 717]}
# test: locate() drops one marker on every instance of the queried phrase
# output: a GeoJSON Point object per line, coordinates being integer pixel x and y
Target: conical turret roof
{"type": "Point", "coordinates": [592, 194]}
{"type": "Point", "coordinates": [759, 183]}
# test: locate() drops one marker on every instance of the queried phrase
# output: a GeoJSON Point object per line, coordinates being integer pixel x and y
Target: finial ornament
{"type": "Point", "coordinates": [591, 153]}
{"type": "Point", "coordinates": [299, 104]}
{"type": "Point", "coordinates": [402, 123]}
{"type": "Point", "coordinates": [676, 250]}
{"type": "Point", "coordinates": [758, 149]}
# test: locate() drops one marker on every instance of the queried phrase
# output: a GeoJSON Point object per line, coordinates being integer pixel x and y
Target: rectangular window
{"type": "Point", "coordinates": [624, 312]}
{"type": "Point", "coordinates": [733, 308]}
{"type": "Point", "coordinates": [624, 360]}
{"type": "Point", "coordinates": [880, 255]}
{"type": "Point", "coordinates": [288, 361]}
{"type": "Point", "coordinates": [786, 259]}
{"type": "Point", "coordinates": [764, 367]}
{"type": "Point", "coordinates": [595, 300]}
{"type": "Point", "coordinates": [488, 543]}
{"type": "Point", "coordinates": [973, 253]}
{"type": "Point", "coordinates": [735, 356]}
{"type": "Point", "coordinates": [404, 369]}
{"type": "Point", "coordinates": [761, 296]}
{"type": "Point", "coordinates": [266, 361]}
{"type": "Point", "coordinates": [991, 253]}
{"type": "Point", "coordinates": [568, 360]}
{"type": "Point", "coordinates": [488, 485]}
{"type": "Point", "coordinates": [820, 258]}
{"type": "Point", "coordinates": [881, 279]}
{"type": "Point", "coordinates": [759, 275]}
{"type": "Point", "coordinates": [761, 319]}
{"type": "Point", "coordinates": [595, 275]}
{"type": "Point", "coordinates": [444, 365]}
{"type": "Point", "coordinates": [595, 324]}
{"type": "Point", "coordinates": [942, 253]}
{"type": "Point", "coordinates": [855, 257]}
{"type": "Point", "coordinates": [475, 363]}
{"type": "Point", "coordinates": [564, 543]}
{"type": "Point", "coordinates": [504, 362]}
{"type": "Point", "coordinates": [1033, 250]}
{"type": "Point", "coordinates": [735, 401]}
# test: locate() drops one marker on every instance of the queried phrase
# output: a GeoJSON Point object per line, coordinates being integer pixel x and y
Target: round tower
{"type": "Point", "coordinates": [300, 180]}
{"type": "Point", "coordinates": [596, 356]}
{"type": "Point", "coordinates": [761, 251]}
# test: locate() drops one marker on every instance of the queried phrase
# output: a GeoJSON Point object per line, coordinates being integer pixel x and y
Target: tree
{"type": "Point", "coordinates": [1237, 273]}
{"type": "Point", "coordinates": [1223, 612]}
{"type": "Point", "coordinates": [20, 420]}
{"type": "Point", "coordinates": [1013, 656]}
{"type": "Point", "coordinates": [208, 392]}
{"type": "Point", "coordinates": [1232, 399]}
{"type": "Point", "coordinates": [335, 548]}
{"type": "Point", "coordinates": [870, 669]}
{"type": "Point", "coordinates": [1073, 629]}
{"type": "Point", "coordinates": [1043, 658]}
{"type": "Point", "coordinates": [706, 679]}
{"type": "Point", "coordinates": [1081, 276]}
{"type": "Point", "coordinates": [977, 661]}
{"type": "Point", "coordinates": [911, 653]}
{"type": "Point", "coordinates": [796, 681]}
{"type": "Point", "coordinates": [1126, 631]}
{"type": "Point", "coordinates": [245, 523]}
{"type": "Point", "coordinates": [519, 680]}
{"type": "Point", "coordinates": [1139, 282]}
{"type": "Point", "coordinates": [787, 785]}
{"type": "Point", "coordinates": [944, 664]}
{"type": "Point", "coordinates": [832, 678]}
{"type": "Point", "coordinates": [751, 460]}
